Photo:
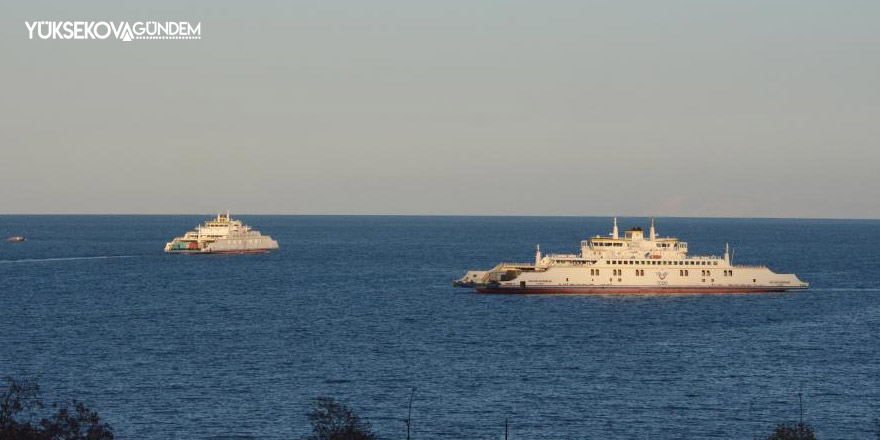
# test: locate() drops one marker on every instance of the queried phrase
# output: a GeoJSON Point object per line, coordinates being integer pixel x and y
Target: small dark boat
{"type": "Point", "coordinates": [16, 239]}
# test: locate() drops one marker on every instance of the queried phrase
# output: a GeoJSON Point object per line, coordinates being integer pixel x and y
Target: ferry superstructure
{"type": "Point", "coordinates": [632, 264]}
{"type": "Point", "coordinates": [223, 235]}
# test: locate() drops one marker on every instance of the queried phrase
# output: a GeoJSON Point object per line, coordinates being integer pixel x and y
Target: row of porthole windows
{"type": "Point", "coordinates": [641, 272]}
{"type": "Point", "coordinates": [662, 263]}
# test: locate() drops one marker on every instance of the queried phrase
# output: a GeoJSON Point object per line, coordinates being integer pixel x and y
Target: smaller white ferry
{"type": "Point", "coordinates": [632, 264]}
{"type": "Point", "coordinates": [222, 236]}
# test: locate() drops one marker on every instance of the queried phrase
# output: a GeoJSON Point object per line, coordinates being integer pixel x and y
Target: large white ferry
{"type": "Point", "coordinates": [633, 264]}
{"type": "Point", "coordinates": [222, 235]}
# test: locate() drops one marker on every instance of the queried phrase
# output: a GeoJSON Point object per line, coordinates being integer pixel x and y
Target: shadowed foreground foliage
{"type": "Point", "coordinates": [332, 420]}
{"type": "Point", "coordinates": [19, 404]}
{"type": "Point", "coordinates": [792, 431]}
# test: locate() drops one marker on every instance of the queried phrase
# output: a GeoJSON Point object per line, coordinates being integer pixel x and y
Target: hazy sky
{"type": "Point", "coordinates": [688, 108]}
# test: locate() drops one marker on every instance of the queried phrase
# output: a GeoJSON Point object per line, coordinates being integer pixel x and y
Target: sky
{"type": "Point", "coordinates": [746, 108]}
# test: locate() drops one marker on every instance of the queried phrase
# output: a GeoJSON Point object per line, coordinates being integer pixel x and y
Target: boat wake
{"type": "Point", "coordinates": [48, 260]}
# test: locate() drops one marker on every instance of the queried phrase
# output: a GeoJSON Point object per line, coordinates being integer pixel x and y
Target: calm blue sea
{"type": "Point", "coordinates": [362, 309]}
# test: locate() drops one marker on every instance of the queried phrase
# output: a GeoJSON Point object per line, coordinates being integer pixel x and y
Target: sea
{"type": "Point", "coordinates": [362, 309]}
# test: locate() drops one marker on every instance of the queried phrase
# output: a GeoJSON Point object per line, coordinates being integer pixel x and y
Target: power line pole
{"type": "Point", "coordinates": [801, 405]}
{"type": "Point", "coordinates": [409, 415]}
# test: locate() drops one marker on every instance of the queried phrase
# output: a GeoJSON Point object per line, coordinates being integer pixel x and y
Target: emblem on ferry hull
{"type": "Point", "coordinates": [617, 265]}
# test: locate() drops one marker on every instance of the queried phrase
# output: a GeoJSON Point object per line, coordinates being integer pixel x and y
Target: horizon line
{"type": "Point", "coordinates": [720, 217]}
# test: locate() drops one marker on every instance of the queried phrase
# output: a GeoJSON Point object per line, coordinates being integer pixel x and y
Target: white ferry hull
{"type": "Point", "coordinates": [630, 290]}
{"type": "Point", "coordinates": [210, 252]}
{"type": "Point", "coordinates": [222, 247]}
